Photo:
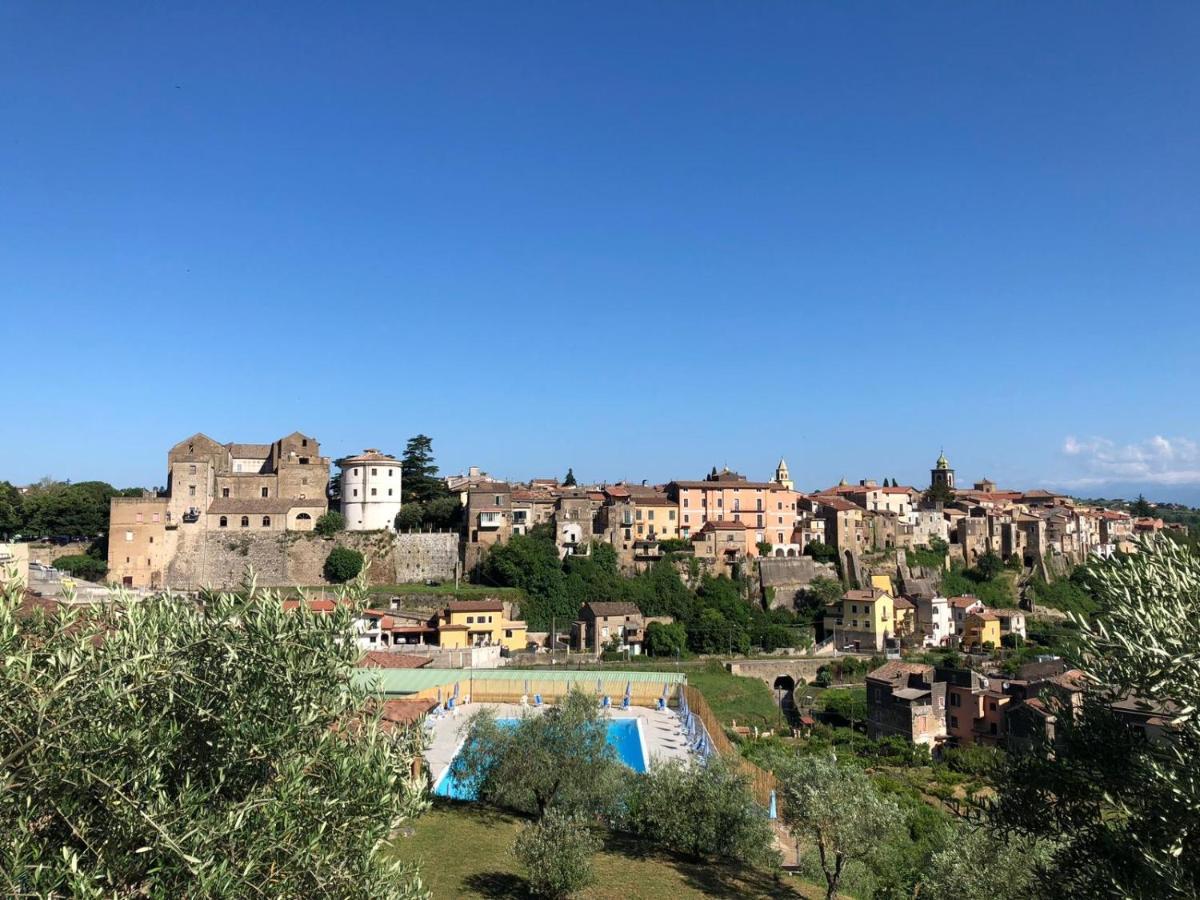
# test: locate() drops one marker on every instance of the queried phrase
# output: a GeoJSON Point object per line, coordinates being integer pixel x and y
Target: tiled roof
{"type": "Point", "coordinates": [603, 609]}
{"type": "Point", "coordinates": [865, 595]}
{"type": "Point", "coordinates": [897, 672]}
{"type": "Point", "coordinates": [963, 602]}
{"type": "Point", "coordinates": [368, 456]}
{"type": "Point", "coordinates": [475, 606]}
{"type": "Point", "coordinates": [249, 451]}
{"type": "Point", "coordinates": [724, 525]}
{"type": "Point", "coordinates": [405, 712]}
{"type": "Point", "coordinates": [837, 504]}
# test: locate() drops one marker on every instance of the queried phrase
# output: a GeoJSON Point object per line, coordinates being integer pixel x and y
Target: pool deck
{"type": "Point", "coordinates": [663, 731]}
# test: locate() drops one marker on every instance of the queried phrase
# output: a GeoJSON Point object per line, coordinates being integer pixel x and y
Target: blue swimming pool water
{"type": "Point", "coordinates": [623, 736]}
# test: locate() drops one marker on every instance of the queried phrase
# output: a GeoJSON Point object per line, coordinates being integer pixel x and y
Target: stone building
{"type": "Point", "coordinates": [211, 488]}
{"type": "Point", "coordinates": [904, 699]}
{"type": "Point", "coordinates": [488, 519]}
{"type": "Point", "coordinates": [371, 491]}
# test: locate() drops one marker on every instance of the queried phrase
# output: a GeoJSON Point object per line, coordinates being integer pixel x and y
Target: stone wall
{"type": "Point", "coordinates": [790, 576]}
{"type": "Point", "coordinates": [289, 559]}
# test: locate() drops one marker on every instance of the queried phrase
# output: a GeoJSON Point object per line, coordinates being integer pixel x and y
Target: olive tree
{"type": "Point", "coordinates": [560, 759]}
{"type": "Point", "coordinates": [557, 851]}
{"type": "Point", "coordinates": [1124, 805]}
{"type": "Point", "coordinates": [837, 809]}
{"type": "Point", "coordinates": [167, 747]}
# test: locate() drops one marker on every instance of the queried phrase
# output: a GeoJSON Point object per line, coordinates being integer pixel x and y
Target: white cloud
{"type": "Point", "coordinates": [1157, 460]}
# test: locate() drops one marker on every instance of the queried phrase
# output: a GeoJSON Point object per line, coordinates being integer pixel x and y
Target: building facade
{"type": "Point", "coordinates": [371, 491]}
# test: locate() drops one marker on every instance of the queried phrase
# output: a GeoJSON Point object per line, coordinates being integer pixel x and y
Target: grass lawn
{"type": "Point", "coordinates": [462, 850]}
{"type": "Point", "coordinates": [732, 697]}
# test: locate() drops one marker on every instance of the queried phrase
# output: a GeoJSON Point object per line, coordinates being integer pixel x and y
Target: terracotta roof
{"type": "Point", "coordinates": [837, 504]}
{"type": "Point", "coordinates": [903, 603]}
{"type": "Point", "coordinates": [618, 608]}
{"type": "Point", "coordinates": [865, 595]}
{"type": "Point", "coordinates": [897, 672]}
{"type": "Point", "coordinates": [617, 490]}
{"type": "Point", "coordinates": [653, 500]}
{"type": "Point", "coordinates": [384, 659]}
{"type": "Point", "coordinates": [963, 601]}
{"type": "Point", "coordinates": [368, 456]}
{"type": "Point", "coordinates": [489, 487]}
{"type": "Point", "coordinates": [724, 525]}
{"type": "Point", "coordinates": [984, 616]}
{"type": "Point", "coordinates": [1072, 680]}
{"type": "Point", "coordinates": [249, 451]}
{"type": "Point", "coordinates": [405, 712]}
{"type": "Point", "coordinates": [321, 605]}
{"type": "Point", "coordinates": [475, 606]}
{"type": "Point", "coordinates": [728, 485]}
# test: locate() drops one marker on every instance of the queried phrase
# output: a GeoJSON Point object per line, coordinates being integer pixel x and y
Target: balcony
{"type": "Point", "coordinates": [491, 519]}
{"type": "Point", "coordinates": [192, 515]}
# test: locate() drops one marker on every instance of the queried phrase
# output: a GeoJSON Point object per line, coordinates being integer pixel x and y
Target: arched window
{"type": "Point", "coordinates": [266, 521]}
{"type": "Point", "coordinates": [303, 517]}
{"type": "Point", "coordinates": [224, 522]}
{"type": "Point", "coordinates": [245, 521]}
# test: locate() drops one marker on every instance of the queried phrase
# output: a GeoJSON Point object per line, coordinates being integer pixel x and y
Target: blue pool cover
{"type": "Point", "coordinates": [623, 736]}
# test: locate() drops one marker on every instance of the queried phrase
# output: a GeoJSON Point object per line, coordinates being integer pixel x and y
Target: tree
{"type": "Point", "coordinates": [938, 493]}
{"type": "Point", "coordinates": [410, 516]}
{"type": "Point", "coordinates": [556, 852]}
{"type": "Point", "coordinates": [531, 562]}
{"type": "Point", "coordinates": [1123, 808]}
{"type": "Point", "coordinates": [330, 524]}
{"type": "Point", "coordinates": [839, 810]}
{"type": "Point", "coordinates": [821, 552]}
{"type": "Point", "coordinates": [666, 640]}
{"type": "Point", "coordinates": [987, 567]}
{"type": "Point", "coordinates": [560, 760]}
{"type": "Point", "coordinates": [443, 512]}
{"type": "Point", "coordinates": [342, 565]}
{"type": "Point", "coordinates": [816, 595]}
{"type": "Point", "coordinates": [167, 748]}
{"type": "Point", "coordinates": [569, 478]}
{"type": "Point", "coordinates": [1141, 507]}
{"type": "Point", "coordinates": [12, 514]}
{"type": "Point", "coordinates": [977, 865]}
{"type": "Point", "coordinates": [82, 566]}
{"type": "Point", "coordinates": [419, 472]}
{"type": "Point", "coordinates": [764, 548]}
{"type": "Point", "coordinates": [706, 812]}
{"type": "Point", "coordinates": [73, 510]}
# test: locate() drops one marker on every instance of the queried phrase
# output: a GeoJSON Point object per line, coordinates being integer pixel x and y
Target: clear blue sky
{"type": "Point", "coordinates": [639, 239]}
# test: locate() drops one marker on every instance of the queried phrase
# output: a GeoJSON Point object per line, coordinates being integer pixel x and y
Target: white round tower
{"type": "Point", "coordinates": [370, 491]}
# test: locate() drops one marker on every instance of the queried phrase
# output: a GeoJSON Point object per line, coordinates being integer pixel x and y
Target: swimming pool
{"type": "Point", "coordinates": [624, 736]}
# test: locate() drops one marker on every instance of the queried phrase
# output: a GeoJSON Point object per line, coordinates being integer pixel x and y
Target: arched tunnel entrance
{"type": "Point", "coordinates": [784, 688]}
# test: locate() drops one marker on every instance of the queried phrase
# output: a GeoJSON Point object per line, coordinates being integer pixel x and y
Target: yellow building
{"type": "Point", "coordinates": [656, 517]}
{"type": "Point", "coordinates": [883, 582]}
{"type": "Point", "coordinates": [980, 629]}
{"type": "Point", "coordinates": [479, 623]}
{"type": "Point", "coordinates": [865, 618]}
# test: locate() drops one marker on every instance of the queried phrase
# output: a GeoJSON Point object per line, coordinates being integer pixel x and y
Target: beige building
{"type": "Point", "coordinates": [214, 487]}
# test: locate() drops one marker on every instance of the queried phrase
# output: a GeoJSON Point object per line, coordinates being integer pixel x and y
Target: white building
{"type": "Point", "coordinates": [934, 620]}
{"type": "Point", "coordinates": [370, 491]}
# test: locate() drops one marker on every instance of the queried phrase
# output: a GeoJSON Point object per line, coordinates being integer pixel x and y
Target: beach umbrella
{"type": "Point", "coordinates": [456, 689]}
{"type": "Point", "coordinates": [439, 696]}
{"type": "Point", "coordinates": [772, 812]}
{"type": "Point", "coordinates": [526, 686]}
{"type": "Point", "coordinates": [599, 689]}
{"type": "Point", "coordinates": [628, 688]}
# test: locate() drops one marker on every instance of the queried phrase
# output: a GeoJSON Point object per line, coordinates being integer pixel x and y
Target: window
{"type": "Point", "coordinates": [374, 471]}
{"type": "Point", "coordinates": [685, 503]}
{"type": "Point", "coordinates": [154, 517]}
{"type": "Point", "coordinates": [686, 518]}
{"type": "Point", "coordinates": [498, 503]}
{"type": "Point", "coordinates": [639, 515]}
{"type": "Point", "coordinates": [389, 471]}
{"type": "Point", "coordinates": [139, 518]}
{"type": "Point", "coordinates": [191, 470]}
{"type": "Point", "coordinates": [128, 536]}
{"type": "Point", "coordinates": [304, 480]}
{"type": "Point", "coordinates": [245, 521]}
{"type": "Point", "coordinates": [389, 492]}
{"type": "Point", "coordinates": [354, 472]}
{"type": "Point", "coordinates": [671, 514]}
{"type": "Point", "coordinates": [266, 521]}
{"type": "Point", "coordinates": [954, 721]}
{"type": "Point", "coordinates": [127, 560]}
{"type": "Point", "coordinates": [650, 515]}
{"type": "Point", "coordinates": [224, 492]}
{"type": "Point", "coordinates": [373, 492]}
{"type": "Point", "coordinates": [955, 700]}
{"type": "Point", "coordinates": [470, 620]}
{"type": "Point", "coordinates": [224, 522]}
{"type": "Point", "coordinates": [191, 490]}
{"type": "Point", "coordinates": [356, 492]}
{"type": "Point", "coordinates": [152, 539]}
{"type": "Point", "coordinates": [265, 492]}
{"type": "Point", "coordinates": [303, 442]}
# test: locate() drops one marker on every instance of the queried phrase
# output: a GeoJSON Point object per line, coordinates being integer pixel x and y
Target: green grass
{"type": "Point", "coordinates": [462, 850]}
{"type": "Point", "coordinates": [732, 697]}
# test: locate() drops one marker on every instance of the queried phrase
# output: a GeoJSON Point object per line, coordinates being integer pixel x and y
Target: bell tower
{"type": "Point", "coordinates": [782, 476]}
{"type": "Point", "coordinates": [941, 475]}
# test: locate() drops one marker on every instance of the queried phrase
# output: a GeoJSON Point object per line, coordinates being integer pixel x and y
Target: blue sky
{"type": "Point", "coordinates": [639, 239]}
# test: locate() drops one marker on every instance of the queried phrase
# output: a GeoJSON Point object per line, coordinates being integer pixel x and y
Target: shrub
{"type": "Point", "coordinates": [557, 854]}
{"type": "Point", "coordinates": [330, 524]}
{"type": "Point", "coordinates": [664, 639]}
{"type": "Point", "coordinates": [701, 811]}
{"type": "Point", "coordinates": [972, 760]}
{"type": "Point", "coordinates": [86, 567]}
{"type": "Point", "coordinates": [674, 545]}
{"type": "Point", "coordinates": [342, 565]}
